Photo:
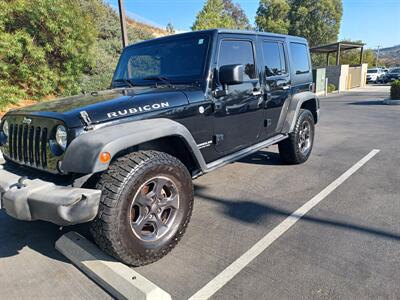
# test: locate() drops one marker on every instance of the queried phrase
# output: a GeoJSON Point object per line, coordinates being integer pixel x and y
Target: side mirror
{"type": "Point", "coordinates": [231, 74]}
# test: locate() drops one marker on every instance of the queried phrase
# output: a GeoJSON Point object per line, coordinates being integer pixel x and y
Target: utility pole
{"type": "Point", "coordinates": [122, 18]}
{"type": "Point", "coordinates": [377, 56]}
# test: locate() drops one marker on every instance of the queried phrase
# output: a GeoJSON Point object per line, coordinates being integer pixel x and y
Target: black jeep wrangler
{"type": "Point", "coordinates": [179, 107]}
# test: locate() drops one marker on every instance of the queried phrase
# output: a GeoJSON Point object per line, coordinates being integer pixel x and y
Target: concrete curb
{"type": "Point", "coordinates": [392, 101]}
{"type": "Point", "coordinates": [116, 278]}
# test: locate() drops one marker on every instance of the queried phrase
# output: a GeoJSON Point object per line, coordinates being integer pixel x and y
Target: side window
{"type": "Point", "coordinates": [274, 58]}
{"type": "Point", "coordinates": [300, 61]}
{"type": "Point", "coordinates": [238, 52]}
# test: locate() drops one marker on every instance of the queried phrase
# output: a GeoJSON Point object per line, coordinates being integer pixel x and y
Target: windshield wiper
{"type": "Point", "coordinates": [160, 78]}
{"type": "Point", "coordinates": [128, 82]}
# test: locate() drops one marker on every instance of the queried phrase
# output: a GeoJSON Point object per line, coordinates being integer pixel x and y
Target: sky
{"type": "Point", "coordinates": [375, 22]}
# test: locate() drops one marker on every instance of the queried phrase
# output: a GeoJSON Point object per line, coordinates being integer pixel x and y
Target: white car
{"type": "Point", "coordinates": [375, 75]}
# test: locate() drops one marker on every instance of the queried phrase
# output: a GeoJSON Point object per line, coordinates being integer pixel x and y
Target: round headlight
{"type": "Point", "coordinates": [5, 128]}
{"type": "Point", "coordinates": [61, 136]}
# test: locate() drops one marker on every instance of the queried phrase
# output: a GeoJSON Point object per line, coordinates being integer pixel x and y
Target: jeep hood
{"type": "Point", "coordinates": [107, 105]}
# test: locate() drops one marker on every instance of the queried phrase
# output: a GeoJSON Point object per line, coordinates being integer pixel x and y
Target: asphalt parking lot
{"type": "Point", "coordinates": [346, 247]}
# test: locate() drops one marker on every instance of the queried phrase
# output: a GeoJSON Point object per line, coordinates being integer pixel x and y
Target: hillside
{"type": "Point", "coordinates": [390, 56]}
{"type": "Point", "coordinates": [155, 31]}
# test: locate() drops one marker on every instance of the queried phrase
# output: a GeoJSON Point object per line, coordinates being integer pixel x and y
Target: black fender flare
{"type": "Point", "coordinates": [82, 155]}
{"type": "Point", "coordinates": [294, 109]}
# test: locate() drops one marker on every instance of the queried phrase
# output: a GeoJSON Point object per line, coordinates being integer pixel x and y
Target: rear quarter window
{"type": "Point", "coordinates": [300, 59]}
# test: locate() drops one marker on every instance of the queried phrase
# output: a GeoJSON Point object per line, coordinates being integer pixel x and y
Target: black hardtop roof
{"type": "Point", "coordinates": [227, 31]}
{"type": "Point", "coordinates": [259, 33]}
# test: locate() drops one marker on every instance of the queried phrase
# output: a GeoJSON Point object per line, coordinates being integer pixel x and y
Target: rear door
{"type": "Point", "coordinates": [277, 82]}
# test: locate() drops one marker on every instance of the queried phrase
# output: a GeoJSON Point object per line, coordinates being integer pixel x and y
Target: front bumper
{"type": "Point", "coordinates": [36, 199]}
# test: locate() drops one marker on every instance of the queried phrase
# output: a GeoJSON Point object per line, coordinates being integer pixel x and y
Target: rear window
{"type": "Point", "coordinates": [300, 60]}
{"type": "Point", "coordinates": [274, 58]}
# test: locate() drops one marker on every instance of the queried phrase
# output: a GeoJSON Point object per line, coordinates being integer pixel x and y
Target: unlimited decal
{"type": "Point", "coordinates": [138, 109]}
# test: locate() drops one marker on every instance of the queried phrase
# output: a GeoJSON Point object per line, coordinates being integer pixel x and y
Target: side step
{"type": "Point", "coordinates": [244, 152]}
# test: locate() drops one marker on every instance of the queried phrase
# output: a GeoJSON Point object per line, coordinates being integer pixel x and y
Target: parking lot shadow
{"type": "Point", "coordinates": [37, 235]}
{"type": "Point", "coordinates": [370, 102]}
{"type": "Point", "coordinates": [251, 211]}
{"type": "Point", "coordinates": [263, 157]}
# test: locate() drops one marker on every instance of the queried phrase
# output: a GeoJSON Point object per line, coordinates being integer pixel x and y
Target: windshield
{"type": "Point", "coordinates": [395, 71]}
{"type": "Point", "coordinates": [372, 71]}
{"type": "Point", "coordinates": [178, 60]}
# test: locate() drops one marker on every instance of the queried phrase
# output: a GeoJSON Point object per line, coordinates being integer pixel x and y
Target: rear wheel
{"type": "Point", "coordinates": [146, 204]}
{"type": "Point", "coordinates": [296, 149]}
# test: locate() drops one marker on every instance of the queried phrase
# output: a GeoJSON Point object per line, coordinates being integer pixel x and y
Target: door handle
{"type": "Point", "coordinates": [237, 108]}
{"type": "Point", "coordinates": [257, 93]}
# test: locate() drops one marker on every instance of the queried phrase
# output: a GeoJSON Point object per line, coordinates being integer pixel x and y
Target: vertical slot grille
{"type": "Point", "coordinates": [30, 150]}
{"type": "Point", "coordinates": [28, 144]}
{"type": "Point", "coordinates": [43, 144]}
{"type": "Point", "coordinates": [37, 146]}
{"type": "Point", "coordinates": [15, 139]}
{"type": "Point", "coordinates": [11, 140]}
{"type": "Point", "coordinates": [25, 143]}
{"type": "Point", "coordinates": [19, 143]}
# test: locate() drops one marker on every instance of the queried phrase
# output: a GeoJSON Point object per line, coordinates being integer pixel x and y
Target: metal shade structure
{"type": "Point", "coordinates": [337, 48]}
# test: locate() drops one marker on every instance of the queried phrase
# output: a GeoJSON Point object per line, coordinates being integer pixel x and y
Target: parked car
{"type": "Point", "coordinates": [392, 75]}
{"type": "Point", "coordinates": [179, 107]}
{"type": "Point", "coordinates": [375, 75]}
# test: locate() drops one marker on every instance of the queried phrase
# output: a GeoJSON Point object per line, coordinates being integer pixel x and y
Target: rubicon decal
{"type": "Point", "coordinates": [205, 144]}
{"type": "Point", "coordinates": [137, 109]}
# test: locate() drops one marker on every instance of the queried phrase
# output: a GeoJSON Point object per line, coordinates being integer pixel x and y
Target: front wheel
{"type": "Point", "coordinates": [296, 149]}
{"type": "Point", "coordinates": [146, 204]}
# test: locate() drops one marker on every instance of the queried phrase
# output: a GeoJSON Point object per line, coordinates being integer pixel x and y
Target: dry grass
{"type": "Point", "coordinates": [20, 104]}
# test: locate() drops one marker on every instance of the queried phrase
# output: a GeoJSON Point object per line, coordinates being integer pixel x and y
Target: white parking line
{"type": "Point", "coordinates": [226, 275]}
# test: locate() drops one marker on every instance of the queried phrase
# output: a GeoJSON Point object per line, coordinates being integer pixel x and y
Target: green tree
{"type": "Point", "coordinates": [108, 45]}
{"type": "Point", "coordinates": [272, 16]}
{"type": "Point", "coordinates": [316, 20]}
{"type": "Point", "coordinates": [352, 57]}
{"type": "Point", "coordinates": [213, 15]}
{"type": "Point", "coordinates": [237, 14]}
{"type": "Point", "coordinates": [45, 46]}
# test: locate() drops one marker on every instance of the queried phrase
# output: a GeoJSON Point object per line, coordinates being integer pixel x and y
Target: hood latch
{"type": "Point", "coordinates": [86, 120]}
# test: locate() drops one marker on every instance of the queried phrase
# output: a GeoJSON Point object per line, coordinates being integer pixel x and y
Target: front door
{"type": "Point", "coordinates": [277, 83]}
{"type": "Point", "coordinates": [238, 115]}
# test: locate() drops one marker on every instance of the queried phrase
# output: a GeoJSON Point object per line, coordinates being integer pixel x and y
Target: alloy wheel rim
{"type": "Point", "coordinates": [304, 141]}
{"type": "Point", "coordinates": [154, 208]}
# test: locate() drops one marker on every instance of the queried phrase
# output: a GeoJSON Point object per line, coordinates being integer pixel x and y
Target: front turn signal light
{"type": "Point", "coordinates": [105, 157]}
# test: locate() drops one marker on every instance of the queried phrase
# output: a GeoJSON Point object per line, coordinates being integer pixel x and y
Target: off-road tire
{"type": "Point", "coordinates": [112, 229]}
{"type": "Point", "coordinates": [289, 149]}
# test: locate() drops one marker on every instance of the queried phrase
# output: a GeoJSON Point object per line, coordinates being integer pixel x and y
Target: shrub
{"type": "Point", "coordinates": [58, 47]}
{"type": "Point", "coordinates": [9, 94]}
{"type": "Point", "coordinates": [331, 87]}
{"type": "Point", "coordinates": [45, 46]}
{"type": "Point", "coordinates": [395, 90]}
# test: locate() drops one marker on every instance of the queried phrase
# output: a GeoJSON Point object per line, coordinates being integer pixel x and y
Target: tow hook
{"type": "Point", "coordinates": [21, 183]}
